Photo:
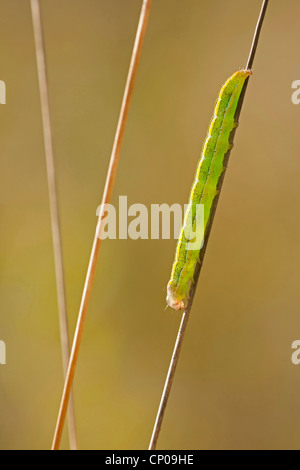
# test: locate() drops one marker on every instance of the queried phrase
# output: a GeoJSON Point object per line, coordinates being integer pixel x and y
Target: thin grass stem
{"type": "Point", "coordinates": [186, 314]}
{"type": "Point", "coordinates": [54, 209]}
{"type": "Point", "coordinates": [110, 179]}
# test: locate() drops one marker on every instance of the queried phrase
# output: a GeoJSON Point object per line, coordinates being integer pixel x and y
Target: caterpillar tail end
{"type": "Point", "coordinates": [173, 301]}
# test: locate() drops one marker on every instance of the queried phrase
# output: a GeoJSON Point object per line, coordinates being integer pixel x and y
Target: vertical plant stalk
{"type": "Point", "coordinates": [54, 210]}
{"type": "Point", "coordinates": [186, 314]}
{"type": "Point", "coordinates": [110, 179]}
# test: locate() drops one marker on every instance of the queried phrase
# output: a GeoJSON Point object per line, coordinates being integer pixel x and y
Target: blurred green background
{"type": "Point", "coordinates": [235, 387]}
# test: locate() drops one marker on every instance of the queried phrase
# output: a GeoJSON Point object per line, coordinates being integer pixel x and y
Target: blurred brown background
{"type": "Point", "coordinates": [235, 387]}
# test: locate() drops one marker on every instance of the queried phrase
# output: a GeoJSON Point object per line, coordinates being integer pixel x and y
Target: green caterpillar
{"type": "Point", "coordinates": [204, 190]}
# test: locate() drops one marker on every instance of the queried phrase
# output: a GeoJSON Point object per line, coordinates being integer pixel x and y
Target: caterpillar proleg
{"type": "Point", "coordinates": [205, 188]}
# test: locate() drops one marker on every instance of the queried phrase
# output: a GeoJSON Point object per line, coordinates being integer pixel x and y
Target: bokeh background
{"type": "Point", "coordinates": [236, 387]}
